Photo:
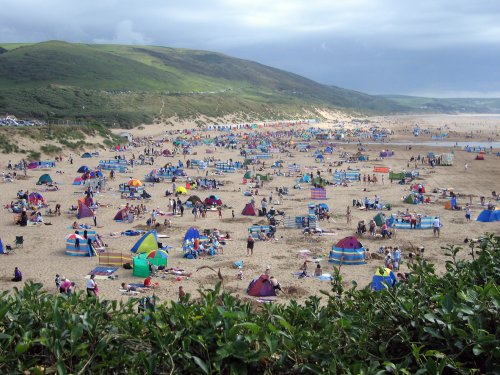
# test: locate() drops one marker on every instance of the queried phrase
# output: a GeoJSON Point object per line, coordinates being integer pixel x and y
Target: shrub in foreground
{"type": "Point", "coordinates": [430, 325]}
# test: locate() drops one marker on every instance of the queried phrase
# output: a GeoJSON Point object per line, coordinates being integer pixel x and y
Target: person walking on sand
{"type": "Point", "coordinates": [348, 215]}
{"type": "Point", "coordinates": [219, 210]}
{"type": "Point", "coordinates": [466, 166]}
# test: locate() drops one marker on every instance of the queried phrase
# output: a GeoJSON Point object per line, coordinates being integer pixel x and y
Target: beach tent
{"type": "Point", "coordinates": [158, 257]}
{"type": "Point", "coordinates": [191, 234]}
{"type": "Point", "coordinates": [480, 157]}
{"type": "Point", "coordinates": [415, 188]}
{"type": "Point", "coordinates": [410, 198]}
{"type": "Point", "coordinates": [249, 210]}
{"type": "Point", "coordinates": [181, 190]}
{"type": "Point", "coordinates": [213, 200]}
{"type": "Point", "coordinates": [44, 179]}
{"type": "Point", "coordinates": [305, 178]}
{"type": "Point", "coordinates": [193, 199]}
{"type": "Point", "coordinates": [86, 155]}
{"type": "Point", "coordinates": [487, 216]}
{"type": "Point", "coordinates": [147, 243]}
{"type": "Point", "coordinates": [379, 219]}
{"type": "Point", "coordinates": [383, 278]}
{"type": "Point", "coordinates": [2, 248]}
{"type": "Point", "coordinates": [121, 215]}
{"type": "Point", "coordinates": [261, 287]}
{"type": "Point", "coordinates": [83, 209]}
{"type": "Point", "coordinates": [348, 251]}
{"type": "Point", "coordinates": [83, 169]}
{"type": "Point", "coordinates": [34, 197]}
{"type": "Point", "coordinates": [247, 175]}
{"type": "Point", "coordinates": [140, 265]}
{"type": "Point", "coordinates": [78, 181]}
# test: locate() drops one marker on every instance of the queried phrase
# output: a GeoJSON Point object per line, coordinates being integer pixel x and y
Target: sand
{"type": "Point", "coordinates": [43, 253]}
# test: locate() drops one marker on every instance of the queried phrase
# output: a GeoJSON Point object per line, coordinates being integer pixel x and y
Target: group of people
{"type": "Point", "coordinates": [370, 179]}
{"type": "Point", "coordinates": [392, 257]}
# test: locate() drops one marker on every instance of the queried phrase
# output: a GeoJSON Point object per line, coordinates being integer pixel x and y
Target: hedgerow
{"type": "Point", "coordinates": [432, 324]}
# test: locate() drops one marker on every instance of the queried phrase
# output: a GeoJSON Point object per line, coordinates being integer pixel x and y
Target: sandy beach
{"type": "Point", "coordinates": [43, 253]}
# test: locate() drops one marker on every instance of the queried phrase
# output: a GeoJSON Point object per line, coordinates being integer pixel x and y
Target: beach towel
{"type": "Point", "coordinates": [103, 271]}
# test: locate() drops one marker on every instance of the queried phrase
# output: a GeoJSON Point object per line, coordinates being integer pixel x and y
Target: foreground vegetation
{"type": "Point", "coordinates": [430, 325]}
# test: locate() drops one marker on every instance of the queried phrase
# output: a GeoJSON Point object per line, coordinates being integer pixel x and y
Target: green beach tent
{"type": "Point", "coordinates": [44, 179]}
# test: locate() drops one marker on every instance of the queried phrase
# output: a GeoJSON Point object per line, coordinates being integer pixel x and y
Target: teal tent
{"type": "Point", "coordinates": [44, 179]}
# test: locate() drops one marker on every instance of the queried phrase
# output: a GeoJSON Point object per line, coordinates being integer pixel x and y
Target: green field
{"type": "Point", "coordinates": [449, 106]}
{"type": "Point", "coordinates": [126, 85]}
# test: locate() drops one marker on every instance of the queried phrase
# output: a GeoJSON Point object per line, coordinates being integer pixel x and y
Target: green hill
{"type": "Point", "coordinates": [127, 85]}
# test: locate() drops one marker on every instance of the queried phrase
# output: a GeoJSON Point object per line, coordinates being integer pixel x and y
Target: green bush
{"type": "Point", "coordinates": [34, 155]}
{"type": "Point", "coordinates": [51, 149]}
{"type": "Point", "coordinates": [6, 146]}
{"type": "Point", "coordinates": [431, 325]}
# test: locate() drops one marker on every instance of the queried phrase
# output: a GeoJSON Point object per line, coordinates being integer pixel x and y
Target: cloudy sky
{"type": "Point", "coordinates": [442, 48]}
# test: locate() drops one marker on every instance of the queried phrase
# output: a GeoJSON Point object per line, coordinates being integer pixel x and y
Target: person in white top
{"type": "Point", "coordinates": [467, 212]}
{"type": "Point", "coordinates": [90, 284]}
{"type": "Point", "coordinates": [436, 225]}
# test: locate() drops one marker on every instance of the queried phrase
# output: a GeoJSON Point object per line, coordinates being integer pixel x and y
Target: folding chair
{"type": "Point", "coordinates": [19, 241]}
{"type": "Point", "coordinates": [9, 250]}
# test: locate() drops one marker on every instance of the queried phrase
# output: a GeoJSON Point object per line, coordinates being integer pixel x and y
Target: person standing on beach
{"type": "Point", "coordinates": [250, 244]}
{"type": "Point", "coordinates": [348, 215]}
{"type": "Point", "coordinates": [467, 212]}
{"type": "Point", "coordinates": [436, 225]}
{"type": "Point", "coordinates": [95, 220]}
{"type": "Point", "coordinates": [90, 284]}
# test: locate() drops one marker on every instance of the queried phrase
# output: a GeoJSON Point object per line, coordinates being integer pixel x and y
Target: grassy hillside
{"type": "Point", "coordinates": [127, 85]}
{"type": "Point", "coordinates": [452, 105]}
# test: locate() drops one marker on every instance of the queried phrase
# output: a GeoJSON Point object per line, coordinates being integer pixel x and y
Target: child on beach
{"type": "Point", "coordinates": [58, 281]}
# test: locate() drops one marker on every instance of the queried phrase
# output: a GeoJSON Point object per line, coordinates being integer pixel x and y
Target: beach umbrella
{"type": "Point", "coordinates": [158, 254]}
{"type": "Point", "coordinates": [134, 182]}
{"type": "Point", "coordinates": [75, 236]}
